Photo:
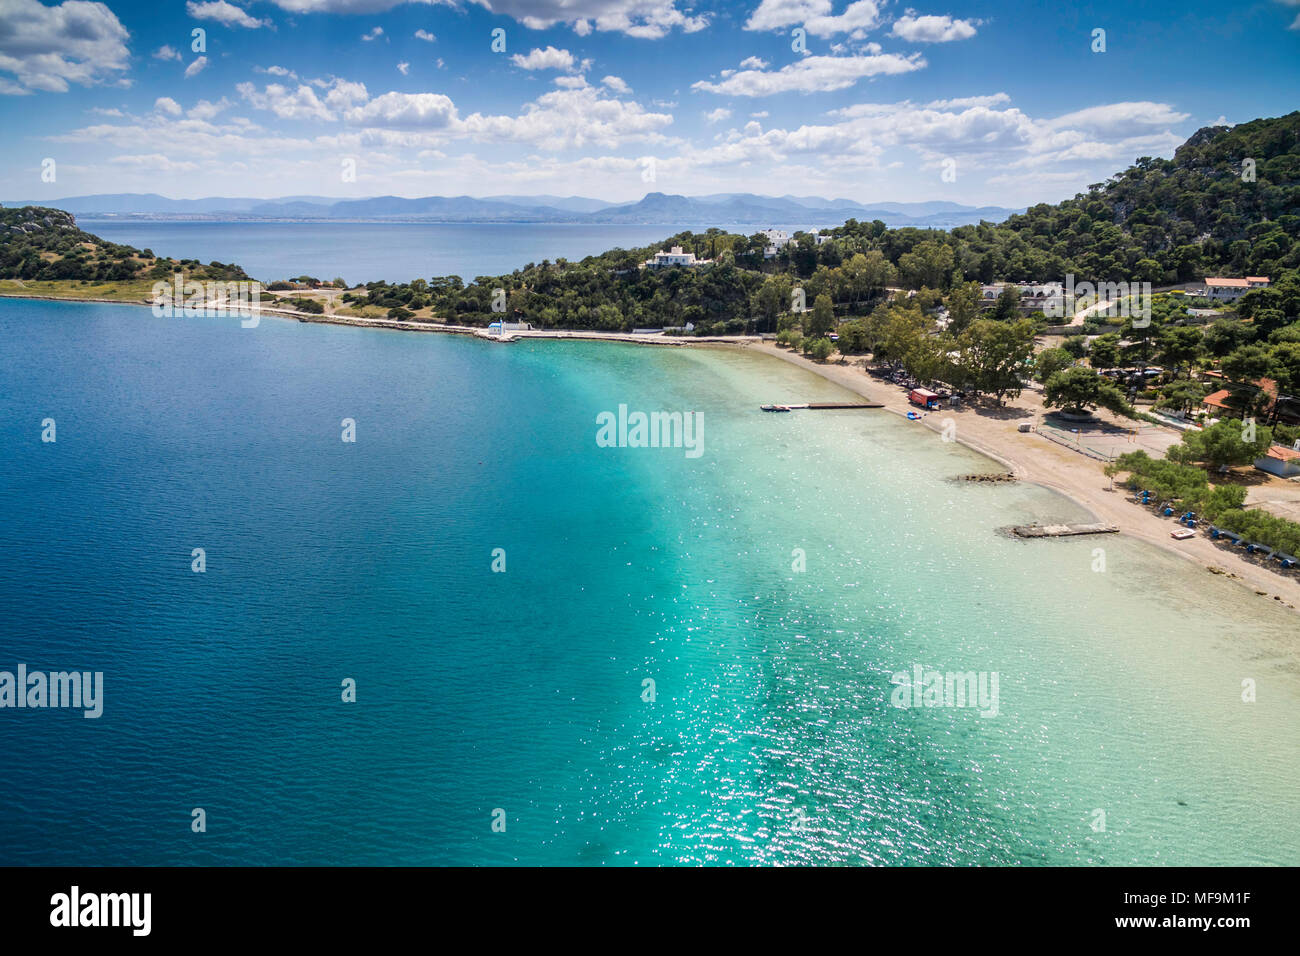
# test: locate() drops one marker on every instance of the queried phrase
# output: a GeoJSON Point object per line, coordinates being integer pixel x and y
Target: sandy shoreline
{"type": "Point", "coordinates": [987, 431]}
{"type": "Point", "coordinates": [1033, 458]}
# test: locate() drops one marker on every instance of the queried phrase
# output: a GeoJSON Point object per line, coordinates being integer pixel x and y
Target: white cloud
{"type": "Point", "coordinates": [206, 109]}
{"type": "Point", "coordinates": [548, 59]}
{"type": "Point", "coordinates": [995, 99]}
{"type": "Point", "coordinates": [637, 18]}
{"type": "Point", "coordinates": [277, 71]}
{"type": "Point", "coordinates": [617, 84]}
{"type": "Point", "coordinates": [717, 116]}
{"type": "Point", "coordinates": [563, 119]}
{"type": "Point", "coordinates": [1119, 117]}
{"type": "Point", "coordinates": [344, 94]}
{"type": "Point", "coordinates": [813, 74]}
{"type": "Point", "coordinates": [933, 29]}
{"type": "Point", "coordinates": [165, 52]}
{"type": "Point", "coordinates": [297, 104]}
{"type": "Point", "coordinates": [753, 63]}
{"type": "Point", "coordinates": [403, 68]}
{"type": "Point", "coordinates": [165, 104]}
{"type": "Point", "coordinates": [46, 48]}
{"type": "Point", "coordinates": [195, 68]}
{"type": "Point", "coordinates": [647, 19]}
{"type": "Point", "coordinates": [405, 111]}
{"type": "Point", "coordinates": [374, 34]}
{"type": "Point", "coordinates": [224, 13]}
{"type": "Point", "coordinates": [155, 161]}
{"type": "Point", "coordinates": [571, 82]}
{"type": "Point", "coordinates": [426, 36]}
{"type": "Point", "coordinates": [814, 16]}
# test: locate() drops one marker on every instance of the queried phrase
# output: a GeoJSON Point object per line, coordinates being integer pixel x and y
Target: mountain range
{"type": "Point", "coordinates": [721, 209]}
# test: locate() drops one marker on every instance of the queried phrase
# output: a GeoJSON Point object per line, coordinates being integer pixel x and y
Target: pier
{"type": "Point", "coordinates": [1061, 530]}
{"type": "Point", "coordinates": [822, 405]}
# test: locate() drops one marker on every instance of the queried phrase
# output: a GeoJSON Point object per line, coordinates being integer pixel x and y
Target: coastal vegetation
{"type": "Point", "coordinates": [40, 245]}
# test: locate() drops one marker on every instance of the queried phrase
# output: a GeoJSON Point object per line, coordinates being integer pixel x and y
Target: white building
{"type": "Point", "coordinates": [777, 239]}
{"type": "Point", "coordinates": [1230, 290]}
{"type": "Point", "coordinates": [675, 257]}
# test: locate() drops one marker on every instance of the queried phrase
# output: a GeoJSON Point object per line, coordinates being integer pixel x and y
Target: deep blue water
{"type": "Point", "coordinates": [522, 690]}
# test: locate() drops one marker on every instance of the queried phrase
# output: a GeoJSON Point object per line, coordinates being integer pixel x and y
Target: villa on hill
{"type": "Point", "coordinates": [675, 257]}
{"type": "Point", "coordinates": [1230, 290]}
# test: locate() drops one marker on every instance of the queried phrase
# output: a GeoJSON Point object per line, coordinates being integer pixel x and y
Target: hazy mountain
{"type": "Point", "coordinates": [733, 210]}
{"type": "Point", "coordinates": [567, 203]}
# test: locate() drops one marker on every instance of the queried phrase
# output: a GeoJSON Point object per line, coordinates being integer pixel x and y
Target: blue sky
{"type": "Point", "coordinates": [993, 103]}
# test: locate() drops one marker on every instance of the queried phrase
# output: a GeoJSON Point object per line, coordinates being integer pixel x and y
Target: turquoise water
{"type": "Point", "coordinates": [393, 251]}
{"type": "Point", "coordinates": [771, 738]}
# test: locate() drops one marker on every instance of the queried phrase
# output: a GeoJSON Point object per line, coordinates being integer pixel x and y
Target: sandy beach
{"type": "Point", "coordinates": [1033, 458]}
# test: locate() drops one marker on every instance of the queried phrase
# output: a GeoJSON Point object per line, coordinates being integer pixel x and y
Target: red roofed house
{"type": "Point", "coordinates": [1226, 290]}
{"type": "Point", "coordinates": [1281, 461]}
{"type": "Point", "coordinates": [1234, 402]}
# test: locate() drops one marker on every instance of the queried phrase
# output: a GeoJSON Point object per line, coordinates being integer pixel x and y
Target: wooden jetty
{"type": "Point", "coordinates": [1061, 530]}
{"type": "Point", "coordinates": [820, 405]}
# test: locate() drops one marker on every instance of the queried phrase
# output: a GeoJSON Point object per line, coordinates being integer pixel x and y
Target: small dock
{"type": "Point", "coordinates": [1061, 530]}
{"type": "Point", "coordinates": [817, 406]}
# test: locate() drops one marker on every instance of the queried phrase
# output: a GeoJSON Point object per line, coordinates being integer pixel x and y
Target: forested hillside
{"type": "Point", "coordinates": [43, 244]}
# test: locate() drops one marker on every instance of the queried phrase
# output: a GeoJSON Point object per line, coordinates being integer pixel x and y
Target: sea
{"type": "Point", "coordinates": [392, 251]}
{"type": "Point", "coordinates": [477, 633]}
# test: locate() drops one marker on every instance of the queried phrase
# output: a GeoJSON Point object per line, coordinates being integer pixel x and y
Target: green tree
{"type": "Point", "coordinates": [822, 318]}
{"type": "Point", "coordinates": [1182, 395]}
{"type": "Point", "coordinates": [963, 306]}
{"type": "Point", "coordinates": [1180, 347]}
{"type": "Point", "coordinates": [1223, 444]}
{"type": "Point", "coordinates": [1050, 361]}
{"type": "Point", "coordinates": [993, 355]}
{"type": "Point", "coordinates": [1081, 390]}
{"type": "Point", "coordinates": [1104, 351]}
{"type": "Point", "coordinates": [1248, 363]}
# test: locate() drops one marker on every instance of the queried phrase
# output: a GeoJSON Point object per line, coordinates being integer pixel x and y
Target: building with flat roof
{"type": "Point", "coordinates": [675, 257]}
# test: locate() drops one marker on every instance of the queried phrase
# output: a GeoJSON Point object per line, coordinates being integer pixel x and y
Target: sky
{"type": "Point", "coordinates": [996, 103]}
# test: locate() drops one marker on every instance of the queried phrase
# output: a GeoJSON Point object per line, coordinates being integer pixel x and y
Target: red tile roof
{"type": "Point", "coordinates": [1217, 399]}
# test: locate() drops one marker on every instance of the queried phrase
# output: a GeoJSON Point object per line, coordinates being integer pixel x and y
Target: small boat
{"type": "Point", "coordinates": [1182, 534]}
{"type": "Point", "coordinates": [775, 408]}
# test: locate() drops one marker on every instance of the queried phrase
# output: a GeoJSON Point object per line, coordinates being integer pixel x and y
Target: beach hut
{"type": "Point", "coordinates": [923, 397]}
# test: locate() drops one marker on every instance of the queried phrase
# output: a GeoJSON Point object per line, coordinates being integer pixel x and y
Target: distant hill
{"type": "Point", "coordinates": [731, 209]}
